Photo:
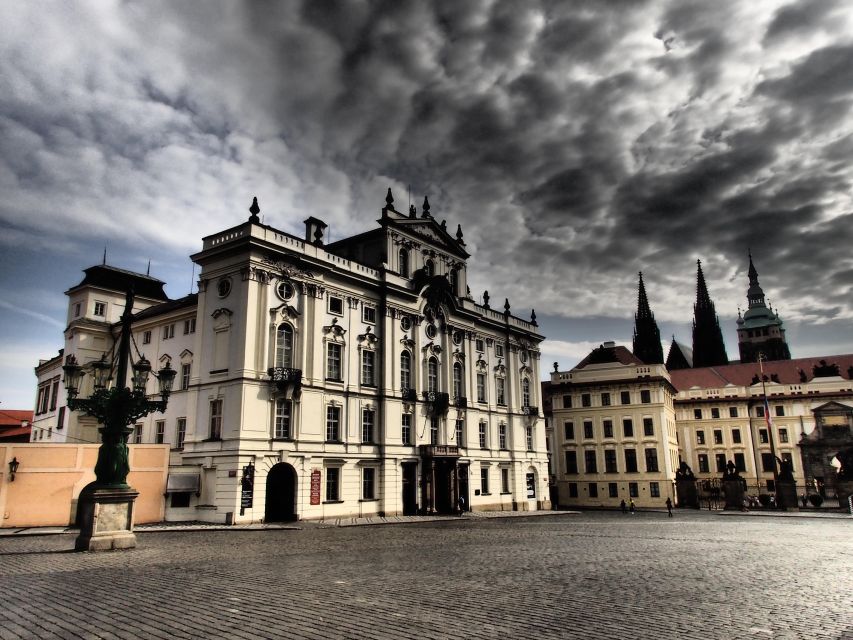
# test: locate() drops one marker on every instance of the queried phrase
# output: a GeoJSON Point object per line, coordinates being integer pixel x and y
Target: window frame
{"type": "Point", "coordinates": [332, 304]}
{"type": "Point", "coordinates": [333, 424]}
{"type": "Point", "coordinates": [332, 358]}
{"type": "Point", "coordinates": [215, 422]}
{"type": "Point", "coordinates": [283, 419]}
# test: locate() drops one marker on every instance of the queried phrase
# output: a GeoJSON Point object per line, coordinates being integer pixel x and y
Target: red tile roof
{"type": "Point", "coordinates": [603, 354]}
{"type": "Point", "coordinates": [741, 375]}
{"type": "Point", "coordinates": [14, 417]}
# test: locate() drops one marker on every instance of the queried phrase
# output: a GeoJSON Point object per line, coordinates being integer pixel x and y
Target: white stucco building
{"type": "Point", "coordinates": [355, 378]}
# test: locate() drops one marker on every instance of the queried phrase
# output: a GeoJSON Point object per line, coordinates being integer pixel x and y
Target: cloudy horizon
{"type": "Point", "coordinates": [576, 143]}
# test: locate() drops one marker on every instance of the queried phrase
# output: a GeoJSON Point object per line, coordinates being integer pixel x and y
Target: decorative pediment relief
{"type": "Point", "coordinates": [284, 311]}
{"type": "Point", "coordinates": [481, 365]}
{"type": "Point", "coordinates": [368, 337]}
{"type": "Point", "coordinates": [221, 319]}
{"type": "Point", "coordinates": [335, 330]}
{"type": "Point", "coordinates": [285, 269]}
{"type": "Point", "coordinates": [432, 348]}
{"type": "Point", "coordinates": [459, 356]}
{"type": "Point", "coordinates": [186, 354]}
{"type": "Point", "coordinates": [408, 343]}
{"type": "Point", "coordinates": [500, 368]}
{"type": "Point", "coordinates": [525, 370]}
{"type": "Point", "coordinates": [257, 274]}
{"type": "Point", "coordinates": [165, 358]}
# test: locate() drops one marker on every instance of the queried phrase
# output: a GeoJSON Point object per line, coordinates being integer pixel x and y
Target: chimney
{"type": "Point", "coordinates": [609, 344]}
{"type": "Point", "coordinates": [314, 229]}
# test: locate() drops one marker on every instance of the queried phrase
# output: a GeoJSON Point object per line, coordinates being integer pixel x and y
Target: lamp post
{"type": "Point", "coordinates": [107, 504]}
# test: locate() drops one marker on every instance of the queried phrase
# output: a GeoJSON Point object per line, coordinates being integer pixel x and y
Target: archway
{"type": "Point", "coordinates": [281, 494]}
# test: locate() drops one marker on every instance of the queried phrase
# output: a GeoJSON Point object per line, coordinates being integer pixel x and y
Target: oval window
{"type": "Point", "coordinates": [223, 287]}
{"type": "Point", "coordinates": [405, 323]}
{"type": "Point", "coordinates": [431, 331]}
{"type": "Point", "coordinates": [285, 290]}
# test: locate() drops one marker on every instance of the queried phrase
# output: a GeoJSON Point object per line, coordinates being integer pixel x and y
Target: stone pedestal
{"type": "Point", "coordinates": [786, 495]}
{"type": "Point", "coordinates": [106, 519]}
{"type": "Point", "coordinates": [733, 493]}
{"type": "Point", "coordinates": [844, 489]}
{"type": "Point", "coordinates": [688, 496]}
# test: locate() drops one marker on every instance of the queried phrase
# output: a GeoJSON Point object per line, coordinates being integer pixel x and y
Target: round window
{"type": "Point", "coordinates": [223, 287]}
{"type": "Point", "coordinates": [457, 337]}
{"type": "Point", "coordinates": [431, 331]}
{"type": "Point", "coordinates": [285, 290]}
{"type": "Point", "coordinates": [405, 323]}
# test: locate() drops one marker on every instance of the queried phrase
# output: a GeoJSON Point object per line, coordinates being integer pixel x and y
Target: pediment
{"type": "Point", "coordinates": [428, 230]}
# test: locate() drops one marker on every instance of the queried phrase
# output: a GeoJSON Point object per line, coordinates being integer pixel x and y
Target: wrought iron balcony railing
{"type": "Point", "coordinates": [530, 411]}
{"type": "Point", "coordinates": [409, 395]}
{"type": "Point", "coordinates": [437, 402]}
{"type": "Point", "coordinates": [460, 402]}
{"type": "Point", "coordinates": [282, 378]}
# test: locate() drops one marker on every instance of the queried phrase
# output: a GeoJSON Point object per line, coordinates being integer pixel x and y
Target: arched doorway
{"type": "Point", "coordinates": [281, 494]}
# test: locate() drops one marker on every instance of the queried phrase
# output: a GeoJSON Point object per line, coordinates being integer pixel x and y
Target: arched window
{"type": "Point", "coordinates": [405, 370]}
{"type": "Point", "coordinates": [429, 268]}
{"type": "Point", "coordinates": [458, 387]}
{"type": "Point", "coordinates": [404, 263]}
{"type": "Point", "coordinates": [525, 393]}
{"type": "Point", "coordinates": [284, 346]}
{"type": "Point", "coordinates": [432, 375]}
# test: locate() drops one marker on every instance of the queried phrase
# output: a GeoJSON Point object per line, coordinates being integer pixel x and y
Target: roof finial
{"type": "Point", "coordinates": [444, 225]}
{"type": "Point", "coordinates": [459, 235]}
{"type": "Point", "coordinates": [533, 318]}
{"type": "Point", "coordinates": [506, 305]}
{"type": "Point", "coordinates": [148, 270]}
{"type": "Point", "coordinates": [413, 212]}
{"type": "Point", "coordinates": [389, 199]}
{"type": "Point", "coordinates": [425, 208]}
{"type": "Point", "coordinates": [486, 299]}
{"type": "Point", "coordinates": [104, 263]}
{"type": "Point", "coordinates": [254, 210]}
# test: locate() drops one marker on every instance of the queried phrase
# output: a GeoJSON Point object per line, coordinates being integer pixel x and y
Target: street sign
{"type": "Point", "coordinates": [315, 486]}
{"type": "Point", "coordinates": [248, 488]}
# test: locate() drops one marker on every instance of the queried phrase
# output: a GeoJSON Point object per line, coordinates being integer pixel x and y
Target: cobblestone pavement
{"type": "Point", "coordinates": [593, 575]}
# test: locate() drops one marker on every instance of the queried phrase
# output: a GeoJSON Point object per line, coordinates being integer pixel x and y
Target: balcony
{"type": "Point", "coordinates": [530, 411]}
{"type": "Point", "coordinates": [284, 379]}
{"type": "Point", "coordinates": [460, 402]}
{"type": "Point", "coordinates": [437, 402]}
{"type": "Point", "coordinates": [439, 451]}
{"type": "Point", "coordinates": [409, 395]}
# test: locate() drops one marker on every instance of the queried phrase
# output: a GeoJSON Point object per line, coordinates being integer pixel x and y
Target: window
{"type": "Point", "coordinates": [783, 435]}
{"type": "Point", "coordinates": [499, 349]}
{"type": "Point", "coordinates": [189, 326]}
{"type": "Point", "coordinates": [763, 436]}
{"type": "Point", "coordinates": [700, 437]}
{"type": "Point", "coordinates": [283, 410]}
{"type": "Point", "coordinates": [768, 463]}
{"type": "Point", "coordinates": [484, 480]}
{"type": "Point", "coordinates": [429, 268]}
{"type": "Point", "coordinates": [628, 427]}
{"type": "Point", "coordinates": [284, 346]}
{"type": "Point", "coordinates": [740, 462]}
{"type": "Point", "coordinates": [458, 388]}
{"type": "Point", "coordinates": [648, 427]}
{"type": "Point", "coordinates": [607, 426]}
{"type": "Point", "coordinates": [718, 436]}
{"type": "Point", "coordinates": [715, 413]}
{"type": "Point", "coordinates": [336, 305]}
{"type": "Point", "coordinates": [146, 337]}
{"type": "Point", "coordinates": [406, 429]}
{"type": "Point", "coordinates": [168, 332]}
{"type": "Point", "coordinates": [454, 281]}
{"type": "Point", "coordinates": [571, 462]}
{"type": "Point", "coordinates": [625, 397]}
{"type": "Point", "coordinates": [481, 387]}
{"type": "Point", "coordinates": [587, 429]}
{"type": "Point", "coordinates": [405, 323]}
{"type": "Point", "coordinates": [368, 314]}
{"type": "Point", "coordinates": [732, 412]}
{"type": "Point", "coordinates": [633, 490]}
{"type": "Point", "coordinates": [60, 420]}
{"type": "Point", "coordinates": [759, 411]}
{"type": "Point", "coordinates": [504, 480]}
{"type": "Point", "coordinates": [404, 262]}
{"type": "Point", "coordinates": [569, 430]}
{"type": "Point", "coordinates": [482, 435]}
{"type": "Point", "coordinates": [433, 430]}
{"type": "Point", "coordinates": [333, 480]}
{"type": "Point", "coordinates": [720, 459]}
{"type": "Point", "coordinates": [333, 361]}
{"type": "Point", "coordinates": [573, 489]}
{"type": "Point", "coordinates": [610, 461]}
{"type": "Point", "coordinates": [586, 400]}
{"type": "Point", "coordinates": [54, 396]}
{"type": "Point", "coordinates": [333, 423]}
{"type": "Point", "coordinates": [612, 489]}
{"type": "Point", "coordinates": [180, 432]}
{"type": "Point", "coordinates": [631, 460]}
{"type": "Point", "coordinates": [736, 436]}
{"type": "Point", "coordinates": [480, 345]}
{"type": "Point", "coordinates": [100, 309]}
{"type": "Point", "coordinates": [137, 434]}
{"type": "Point", "coordinates": [605, 399]}
{"type": "Point", "coordinates": [432, 375]}
{"type": "Point", "coordinates": [368, 483]}
{"type": "Point", "coordinates": [215, 419]}
{"type": "Point", "coordinates": [223, 287]}
{"type": "Point", "coordinates": [697, 414]}
{"type": "Point", "coordinates": [780, 410]}
{"type": "Point", "coordinates": [525, 392]}
{"type": "Point", "coordinates": [567, 402]}
{"type": "Point", "coordinates": [651, 460]}
{"type": "Point", "coordinates": [431, 331]}
{"type": "Point", "coordinates": [405, 370]}
{"type": "Point", "coordinates": [590, 465]}
{"type": "Point", "coordinates": [528, 437]}
{"type": "Point", "coordinates": [499, 384]}
{"type": "Point", "coordinates": [787, 458]}
{"type": "Point", "coordinates": [185, 376]}
{"type": "Point", "coordinates": [703, 463]}
{"type": "Point", "coordinates": [502, 435]}
{"type": "Point", "coordinates": [654, 490]}
{"type": "Point", "coordinates": [368, 419]}
{"type": "Point", "coordinates": [159, 431]}
{"type": "Point", "coordinates": [77, 310]}
{"type": "Point", "coordinates": [460, 432]}
{"type": "Point", "coordinates": [367, 362]}
{"type": "Point", "coordinates": [593, 490]}
{"type": "Point", "coordinates": [284, 290]}
{"type": "Point", "coordinates": [645, 396]}
{"type": "Point", "coordinates": [43, 398]}
{"type": "Point", "coordinates": [179, 500]}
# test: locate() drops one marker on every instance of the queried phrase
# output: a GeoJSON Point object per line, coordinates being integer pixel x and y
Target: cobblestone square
{"type": "Point", "coordinates": [592, 575]}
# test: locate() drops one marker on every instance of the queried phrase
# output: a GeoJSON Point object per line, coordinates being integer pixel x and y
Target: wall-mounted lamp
{"type": "Point", "coordinates": [13, 469]}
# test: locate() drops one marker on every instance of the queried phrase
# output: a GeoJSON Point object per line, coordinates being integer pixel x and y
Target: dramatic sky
{"type": "Point", "coordinates": [576, 142]}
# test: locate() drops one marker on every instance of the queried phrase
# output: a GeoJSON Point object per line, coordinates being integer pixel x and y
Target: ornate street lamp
{"type": "Point", "coordinates": [115, 408]}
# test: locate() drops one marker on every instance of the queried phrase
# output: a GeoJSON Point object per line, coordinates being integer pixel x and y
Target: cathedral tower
{"type": "Point", "coordinates": [708, 347]}
{"type": "Point", "coordinates": [760, 330]}
{"type": "Point", "coordinates": [646, 334]}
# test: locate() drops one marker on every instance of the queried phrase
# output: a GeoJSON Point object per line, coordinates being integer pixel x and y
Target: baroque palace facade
{"type": "Point", "coordinates": [620, 422]}
{"type": "Point", "coordinates": [350, 379]}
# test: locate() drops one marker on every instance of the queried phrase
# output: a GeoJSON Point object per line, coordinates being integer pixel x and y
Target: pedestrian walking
{"type": "Point", "coordinates": [631, 507]}
{"type": "Point", "coordinates": [669, 507]}
{"type": "Point", "coordinates": [623, 507]}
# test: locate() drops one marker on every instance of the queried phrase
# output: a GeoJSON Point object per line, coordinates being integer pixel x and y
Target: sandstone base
{"type": "Point", "coordinates": [106, 519]}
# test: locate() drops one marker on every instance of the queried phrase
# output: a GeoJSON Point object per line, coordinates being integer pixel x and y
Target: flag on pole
{"type": "Point", "coordinates": [767, 413]}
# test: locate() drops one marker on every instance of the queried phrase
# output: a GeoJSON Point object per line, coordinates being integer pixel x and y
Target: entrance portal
{"type": "Point", "coordinates": [410, 488]}
{"type": "Point", "coordinates": [281, 494]}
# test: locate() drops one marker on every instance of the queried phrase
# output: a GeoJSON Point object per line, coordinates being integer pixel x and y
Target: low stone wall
{"type": "Point", "coordinates": [50, 477]}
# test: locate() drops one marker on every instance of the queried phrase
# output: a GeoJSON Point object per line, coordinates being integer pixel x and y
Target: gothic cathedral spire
{"type": "Point", "coordinates": [708, 347]}
{"type": "Point", "coordinates": [646, 334]}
